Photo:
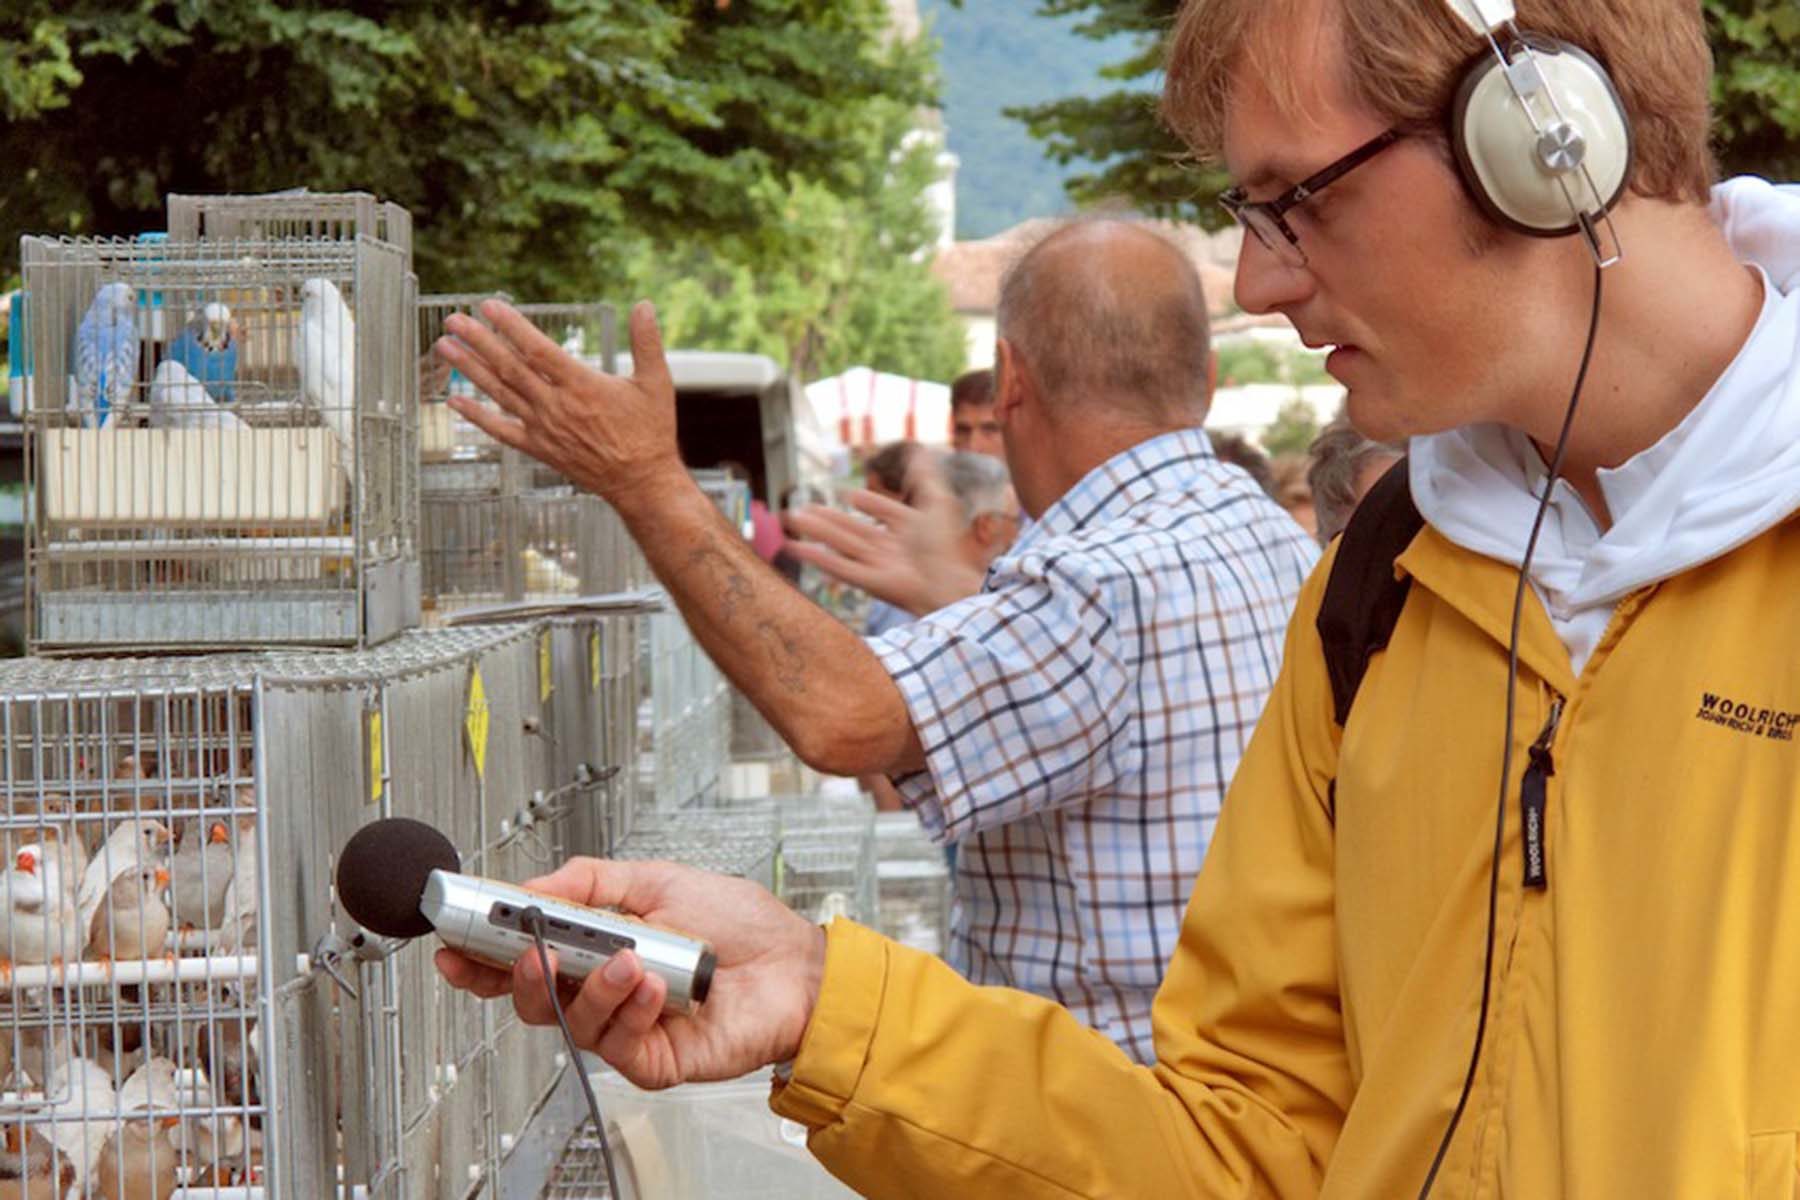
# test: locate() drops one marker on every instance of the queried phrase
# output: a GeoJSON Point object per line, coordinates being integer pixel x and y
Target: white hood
{"type": "Point", "coordinates": [1729, 472]}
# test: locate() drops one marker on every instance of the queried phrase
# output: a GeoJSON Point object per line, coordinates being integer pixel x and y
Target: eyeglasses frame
{"type": "Point", "coordinates": [1236, 202]}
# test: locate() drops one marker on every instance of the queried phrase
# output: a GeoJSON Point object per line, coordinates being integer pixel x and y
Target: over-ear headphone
{"type": "Point", "coordinates": [1540, 135]}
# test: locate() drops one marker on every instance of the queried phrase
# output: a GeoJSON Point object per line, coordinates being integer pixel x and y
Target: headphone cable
{"type": "Point", "coordinates": [533, 920]}
{"type": "Point", "coordinates": [1512, 681]}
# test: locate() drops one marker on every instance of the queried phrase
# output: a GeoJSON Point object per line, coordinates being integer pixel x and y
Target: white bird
{"type": "Point", "coordinates": [179, 401]}
{"type": "Point", "coordinates": [42, 922]}
{"type": "Point", "coordinates": [84, 1112]}
{"type": "Point", "coordinates": [106, 355]}
{"type": "Point", "coordinates": [325, 347]}
{"type": "Point", "coordinates": [238, 929]}
{"type": "Point", "coordinates": [151, 1088]}
{"type": "Point", "coordinates": [238, 932]}
{"type": "Point", "coordinates": [135, 844]}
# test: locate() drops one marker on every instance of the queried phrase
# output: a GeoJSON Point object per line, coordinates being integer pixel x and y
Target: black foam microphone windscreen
{"type": "Point", "coordinates": [382, 872]}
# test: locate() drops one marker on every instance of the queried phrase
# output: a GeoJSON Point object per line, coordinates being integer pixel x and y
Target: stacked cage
{"type": "Point", "coordinates": [220, 441]}
{"type": "Point", "coordinates": [684, 718]}
{"type": "Point", "coordinates": [302, 215]}
{"type": "Point", "coordinates": [495, 529]}
{"type": "Point", "coordinates": [184, 1007]}
{"type": "Point", "coordinates": [828, 857]}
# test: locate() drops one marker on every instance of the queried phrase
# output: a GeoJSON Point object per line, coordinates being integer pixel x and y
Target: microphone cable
{"type": "Point", "coordinates": [1512, 682]}
{"type": "Point", "coordinates": [533, 920]}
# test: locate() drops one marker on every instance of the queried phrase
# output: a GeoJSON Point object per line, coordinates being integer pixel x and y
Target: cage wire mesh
{"type": "Point", "coordinates": [684, 719]}
{"type": "Point", "coordinates": [300, 213]}
{"type": "Point", "coordinates": [200, 1025]}
{"type": "Point", "coordinates": [542, 544]}
{"type": "Point", "coordinates": [458, 456]}
{"type": "Point", "coordinates": [222, 440]}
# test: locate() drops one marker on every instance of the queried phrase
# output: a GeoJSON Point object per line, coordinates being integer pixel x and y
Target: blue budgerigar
{"type": "Point", "coordinates": [106, 355]}
{"type": "Point", "coordinates": [207, 347]}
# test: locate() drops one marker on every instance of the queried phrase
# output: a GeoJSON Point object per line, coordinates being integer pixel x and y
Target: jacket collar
{"type": "Point", "coordinates": [1481, 589]}
{"type": "Point", "coordinates": [1160, 466]}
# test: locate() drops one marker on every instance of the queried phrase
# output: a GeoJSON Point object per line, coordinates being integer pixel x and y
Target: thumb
{"type": "Point", "coordinates": [649, 367]}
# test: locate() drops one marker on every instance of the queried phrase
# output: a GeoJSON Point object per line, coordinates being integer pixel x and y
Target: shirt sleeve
{"type": "Point", "coordinates": [1018, 695]}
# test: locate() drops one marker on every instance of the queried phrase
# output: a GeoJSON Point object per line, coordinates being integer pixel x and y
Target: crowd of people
{"type": "Point", "coordinates": [1455, 855]}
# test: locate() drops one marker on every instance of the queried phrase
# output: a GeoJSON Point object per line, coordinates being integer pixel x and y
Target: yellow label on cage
{"type": "Point", "coordinates": [476, 722]}
{"type": "Point", "coordinates": [546, 672]}
{"type": "Point", "coordinates": [375, 779]}
{"type": "Point", "coordinates": [594, 661]}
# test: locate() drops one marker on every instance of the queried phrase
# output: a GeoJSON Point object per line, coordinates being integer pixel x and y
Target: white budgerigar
{"type": "Point", "coordinates": [325, 346]}
{"type": "Point", "coordinates": [179, 401]}
{"type": "Point", "coordinates": [106, 355]}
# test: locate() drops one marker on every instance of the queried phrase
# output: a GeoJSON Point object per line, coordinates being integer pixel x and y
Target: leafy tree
{"type": "Point", "coordinates": [1293, 429]}
{"type": "Point", "coordinates": [540, 144]}
{"type": "Point", "coordinates": [1756, 93]}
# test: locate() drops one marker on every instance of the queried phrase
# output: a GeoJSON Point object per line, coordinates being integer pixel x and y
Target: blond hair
{"type": "Point", "coordinates": [1402, 60]}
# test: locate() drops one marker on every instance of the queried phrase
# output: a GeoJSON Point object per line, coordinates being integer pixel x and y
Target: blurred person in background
{"type": "Point", "coordinates": [974, 427]}
{"type": "Point", "coordinates": [885, 474]}
{"type": "Point", "coordinates": [1345, 465]}
{"type": "Point", "coordinates": [1238, 450]}
{"type": "Point", "coordinates": [987, 516]}
{"type": "Point", "coordinates": [1073, 726]}
{"type": "Point", "coordinates": [1287, 475]}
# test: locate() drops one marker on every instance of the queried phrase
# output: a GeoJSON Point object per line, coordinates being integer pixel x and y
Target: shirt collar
{"type": "Point", "coordinates": [1124, 481]}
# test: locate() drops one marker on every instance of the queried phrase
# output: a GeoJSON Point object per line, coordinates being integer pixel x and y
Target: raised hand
{"type": "Point", "coordinates": [606, 433]}
{"type": "Point", "coordinates": [770, 962]}
{"type": "Point", "coordinates": [905, 555]}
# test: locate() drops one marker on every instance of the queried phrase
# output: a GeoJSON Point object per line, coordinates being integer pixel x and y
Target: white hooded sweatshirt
{"type": "Point", "coordinates": [1727, 473]}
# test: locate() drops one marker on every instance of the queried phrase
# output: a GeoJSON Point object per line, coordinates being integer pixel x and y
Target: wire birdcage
{"type": "Point", "coordinates": [587, 330]}
{"type": "Point", "coordinates": [270, 1073]}
{"type": "Point", "coordinates": [456, 455]}
{"type": "Point", "coordinates": [544, 544]}
{"type": "Point", "coordinates": [300, 213]}
{"type": "Point", "coordinates": [223, 444]}
{"type": "Point", "coordinates": [684, 718]}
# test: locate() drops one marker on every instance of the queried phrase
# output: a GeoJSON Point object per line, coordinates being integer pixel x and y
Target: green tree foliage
{"type": "Point", "coordinates": [1756, 93]}
{"type": "Point", "coordinates": [542, 145]}
{"type": "Point", "coordinates": [1293, 429]}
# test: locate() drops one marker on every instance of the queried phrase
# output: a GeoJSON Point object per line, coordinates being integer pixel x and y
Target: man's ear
{"type": "Point", "coordinates": [1212, 373]}
{"type": "Point", "coordinates": [1011, 381]}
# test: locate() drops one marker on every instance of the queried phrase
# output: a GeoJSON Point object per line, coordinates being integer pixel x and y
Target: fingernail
{"type": "Point", "coordinates": [619, 970]}
{"type": "Point", "coordinates": [645, 998]}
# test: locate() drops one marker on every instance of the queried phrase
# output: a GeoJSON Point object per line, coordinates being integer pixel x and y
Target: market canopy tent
{"type": "Point", "coordinates": [864, 407]}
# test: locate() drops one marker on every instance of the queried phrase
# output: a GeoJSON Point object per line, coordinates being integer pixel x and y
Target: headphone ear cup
{"type": "Point", "coordinates": [1496, 148]}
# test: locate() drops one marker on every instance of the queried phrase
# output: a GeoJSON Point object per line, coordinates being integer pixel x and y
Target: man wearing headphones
{"type": "Point", "coordinates": [1506, 906]}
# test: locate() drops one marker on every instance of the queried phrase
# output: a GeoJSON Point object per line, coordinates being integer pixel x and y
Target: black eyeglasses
{"type": "Point", "coordinates": [1267, 219]}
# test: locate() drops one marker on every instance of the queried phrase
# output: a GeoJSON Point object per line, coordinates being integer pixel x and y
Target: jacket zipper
{"type": "Point", "coordinates": [1533, 799]}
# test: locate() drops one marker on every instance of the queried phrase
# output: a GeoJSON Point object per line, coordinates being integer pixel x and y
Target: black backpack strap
{"type": "Point", "coordinates": [1363, 598]}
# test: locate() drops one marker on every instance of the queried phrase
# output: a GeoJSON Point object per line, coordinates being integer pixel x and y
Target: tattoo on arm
{"type": "Point", "coordinates": [787, 655]}
{"type": "Point", "coordinates": [734, 587]}
{"type": "Point", "coordinates": [736, 590]}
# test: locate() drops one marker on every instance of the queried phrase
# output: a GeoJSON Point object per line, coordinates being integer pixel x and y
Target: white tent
{"type": "Point", "coordinates": [863, 407]}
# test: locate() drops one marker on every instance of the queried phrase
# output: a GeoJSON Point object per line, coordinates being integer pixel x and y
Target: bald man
{"type": "Point", "coordinates": [1074, 725]}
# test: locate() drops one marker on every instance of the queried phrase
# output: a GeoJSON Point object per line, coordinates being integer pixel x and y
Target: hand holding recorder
{"type": "Point", "coordinates": [769, 964]}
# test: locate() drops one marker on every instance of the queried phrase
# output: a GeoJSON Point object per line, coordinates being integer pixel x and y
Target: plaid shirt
{"type": "Point", "coordinates": [1082, 716]}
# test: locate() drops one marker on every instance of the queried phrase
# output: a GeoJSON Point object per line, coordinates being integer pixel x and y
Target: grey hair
{"type": "Point", "coordinates": [978, 481]}
{"type": "Point", "coordinates": [1085, 337]}
{"type": "Point", "coordinates": [1338, 455]}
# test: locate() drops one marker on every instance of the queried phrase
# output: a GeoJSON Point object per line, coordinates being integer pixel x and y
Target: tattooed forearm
{"type": "Point", "coordinates": [787, 654]}
{"type": "Point", "coordinates": [733, 586]}
{"type": "Point", "coordinates": [736, 592]}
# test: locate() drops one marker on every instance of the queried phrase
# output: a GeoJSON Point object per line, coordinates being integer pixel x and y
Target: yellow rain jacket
{"type": "Point", "coordinates": [1315, 1025]}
